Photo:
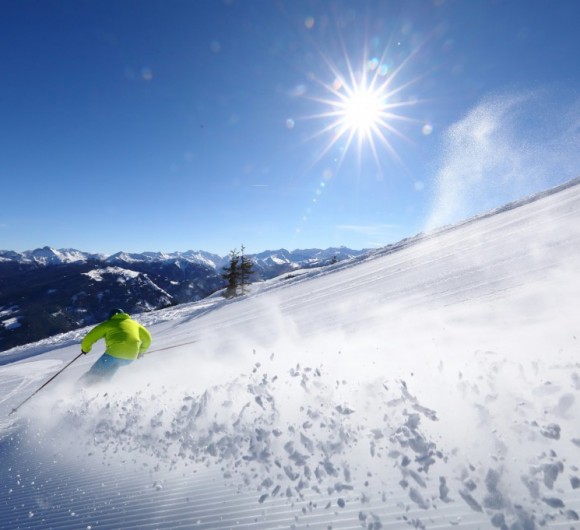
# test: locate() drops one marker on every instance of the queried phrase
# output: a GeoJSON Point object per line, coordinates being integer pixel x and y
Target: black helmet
{"type": "Point", "coordinates": [115, 312]}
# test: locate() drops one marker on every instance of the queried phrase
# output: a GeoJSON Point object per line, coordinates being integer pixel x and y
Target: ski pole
{"type": "Point", "coordinates": [171, 347]}
{"type": "Point", "coordinates": [39, 389]}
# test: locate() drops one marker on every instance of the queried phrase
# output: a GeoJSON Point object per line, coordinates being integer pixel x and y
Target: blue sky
{"type": "Point", "coordinates": [177, 125]}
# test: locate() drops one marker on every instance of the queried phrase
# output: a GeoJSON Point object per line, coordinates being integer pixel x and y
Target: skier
{"type": "Point", "coordinates": [125, 339]}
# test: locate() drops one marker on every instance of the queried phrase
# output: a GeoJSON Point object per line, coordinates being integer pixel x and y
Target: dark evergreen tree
{"type": "Point", "coordinates": [232, 274]}
{"type": "Point", "coordinates": [246, 270]}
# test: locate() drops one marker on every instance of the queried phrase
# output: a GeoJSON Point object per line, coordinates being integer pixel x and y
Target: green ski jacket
{"type": "Point", "coordinates": [125, 338]}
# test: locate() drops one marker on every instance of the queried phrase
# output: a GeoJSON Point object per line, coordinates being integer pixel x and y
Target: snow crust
{"type": "Point", "coordinates": [428, 387]}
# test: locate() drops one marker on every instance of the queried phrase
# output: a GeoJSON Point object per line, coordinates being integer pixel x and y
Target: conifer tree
{"type": "Point", "coordinates": [232, 274]}
{"type": "Point", "coordinates": [246, 270]}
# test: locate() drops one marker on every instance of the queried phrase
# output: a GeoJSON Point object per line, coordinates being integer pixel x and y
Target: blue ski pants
{"type": "Point", "coordinates": [104, 369]}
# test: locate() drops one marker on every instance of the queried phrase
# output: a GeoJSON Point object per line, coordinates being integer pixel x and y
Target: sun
{"type": "Point", "coordinates": [364, 109]}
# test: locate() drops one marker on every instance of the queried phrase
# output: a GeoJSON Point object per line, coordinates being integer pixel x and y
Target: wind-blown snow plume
{"type": "Point", "coordinates": [508, 146]}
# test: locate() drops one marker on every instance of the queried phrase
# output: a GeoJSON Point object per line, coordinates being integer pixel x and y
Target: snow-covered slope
{"type": "Point", "coordinates": [429, 385]}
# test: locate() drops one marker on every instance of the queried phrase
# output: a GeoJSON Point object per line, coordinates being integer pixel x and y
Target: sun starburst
{"type": "Point", "coordinates": [361, 111]}
{"type": "Point", "coordinates": [364, 109]}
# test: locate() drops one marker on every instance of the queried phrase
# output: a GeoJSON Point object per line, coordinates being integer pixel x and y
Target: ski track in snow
{"type": "Point", "coordinates": [434, 386]}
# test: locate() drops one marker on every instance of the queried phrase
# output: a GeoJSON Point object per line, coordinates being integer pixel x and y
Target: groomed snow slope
{"type": "Point", "coordinates": [428, 386]}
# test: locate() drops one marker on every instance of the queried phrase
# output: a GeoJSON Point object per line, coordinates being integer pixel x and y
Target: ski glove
{"type": "Point", "coordinates": [84, 352]}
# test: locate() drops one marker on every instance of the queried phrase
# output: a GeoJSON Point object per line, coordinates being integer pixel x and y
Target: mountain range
{"type": "Point", "coordinates": [47, 291]}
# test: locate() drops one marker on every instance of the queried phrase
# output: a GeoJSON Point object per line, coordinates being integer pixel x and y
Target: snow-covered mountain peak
{"type": "Point", "coordinates": [128, 257]}
{"type": "Point", "coordinates": [48, 256]}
